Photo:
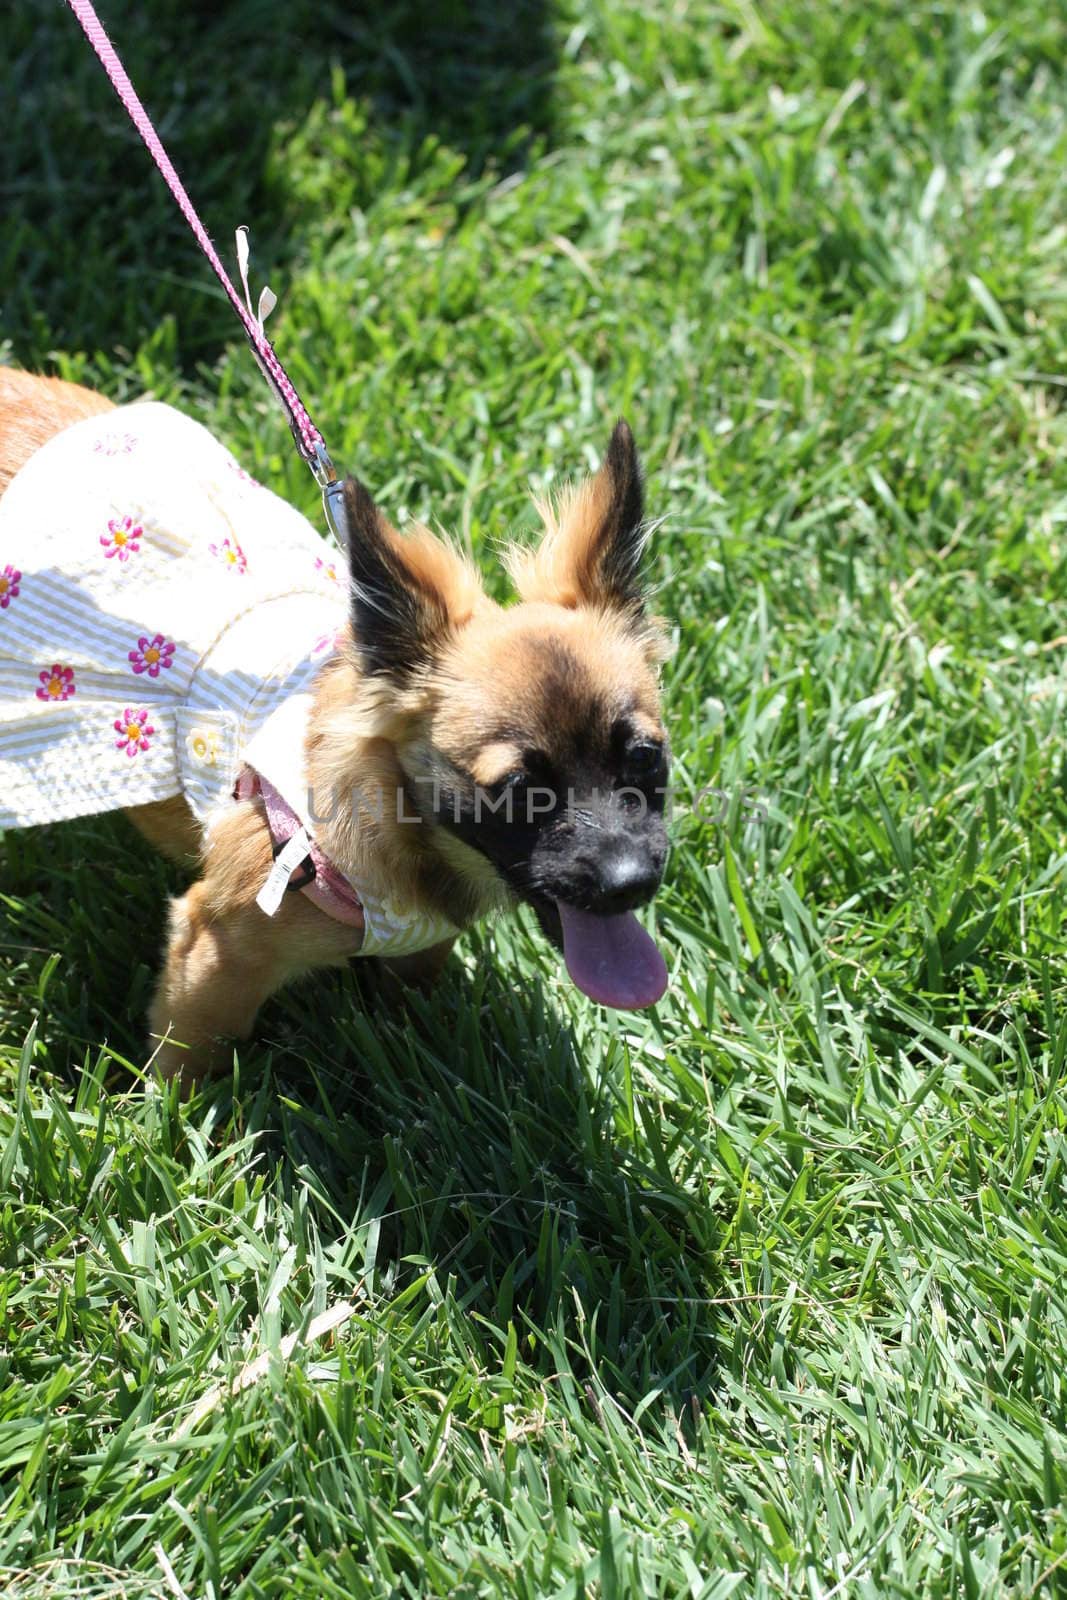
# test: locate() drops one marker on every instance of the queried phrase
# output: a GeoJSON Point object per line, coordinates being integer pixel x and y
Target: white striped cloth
{"type": "Point", "coordinates": [162, 617]}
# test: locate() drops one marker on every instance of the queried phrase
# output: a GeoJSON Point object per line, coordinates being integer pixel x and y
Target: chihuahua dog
{"type": "Point", "coordinates": [363, 761]}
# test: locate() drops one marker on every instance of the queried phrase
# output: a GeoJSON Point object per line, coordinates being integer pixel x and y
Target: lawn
{"type": "Point", "coordinates": [763, 1294]}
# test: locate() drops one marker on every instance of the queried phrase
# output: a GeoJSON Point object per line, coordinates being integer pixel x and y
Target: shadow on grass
{"type": "Point", "coordinates": [475, 1126]}
{"type": "Point", "coordinates": [496, 1153]}
{"type": "Point", "coordinates": [94, 254]}
{"type": "Point", "coordinates": [81, 930]}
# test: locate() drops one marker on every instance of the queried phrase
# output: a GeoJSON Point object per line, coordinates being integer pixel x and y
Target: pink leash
{"type": "Point", "coordinates": [308, 439]}
{"type": "Point", "coordinates": [327, 888]}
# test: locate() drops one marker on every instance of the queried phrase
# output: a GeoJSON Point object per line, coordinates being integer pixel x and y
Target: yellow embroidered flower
{"type": "Point", "coordinates": [57, 682]}
{"type": "Point", "coordinates": [122, 539]}
{"type": "Point", "coordinates": [134, 731]}
{"type": "Point", "coordinates": [203, 746]}
{"type": "Point", "coordinates": [229, 552]}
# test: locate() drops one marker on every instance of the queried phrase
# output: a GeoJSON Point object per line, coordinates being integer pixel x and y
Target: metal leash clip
{"type": "Point", "coordinates": [333, 494]}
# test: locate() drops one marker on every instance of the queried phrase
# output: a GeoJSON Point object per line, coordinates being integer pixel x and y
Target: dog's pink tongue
{"type": "Point", "coordinates": [612, 959]}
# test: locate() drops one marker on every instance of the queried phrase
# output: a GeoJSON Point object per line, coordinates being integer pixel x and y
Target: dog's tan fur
{"type": "Point", "coordinates": [32, 410]}
{"type": "Point", "coordinates": [224, 957]}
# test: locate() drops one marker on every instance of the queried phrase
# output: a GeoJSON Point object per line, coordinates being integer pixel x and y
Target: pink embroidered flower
{"type": "Point", "coordinates": [122, 539]}
{"type": "Point", "coordinates": [328, 569]}
{"type": "Point", "coordinates": [152, 654]}
{"type": "Point", "coordinates": [114, 444]}
{"type": "Point", "coordinates": [57, 683]}
{"type": "Point", "coordinates": [323, 645]}
{"type": "Point", "coordinates": [229, 552]}
{"type": "Point", "coordinates": [10, 579]}
{"type": "Point", "coordinates": [245, 477]}
{"type": "Point", "coordinates": [133, 729]}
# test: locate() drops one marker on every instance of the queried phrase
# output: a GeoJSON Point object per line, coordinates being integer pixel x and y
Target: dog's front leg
{"type": "Point", "coordinates": [221, 967]}
{"type": "Point", "coordinates": [225, 957]}
{"type": "Point", "coordinates": [420, 971]}
{"type": "Point", "coordinates": [213, 982]}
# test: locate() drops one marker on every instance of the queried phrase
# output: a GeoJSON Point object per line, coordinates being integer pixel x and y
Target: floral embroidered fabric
{"type": "Point", "coordinates": [162, 618]}
{"type": "Point", "coordinates": [155, 603]}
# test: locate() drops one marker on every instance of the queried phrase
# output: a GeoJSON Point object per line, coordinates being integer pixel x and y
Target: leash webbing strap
{"type": "Point", "coordinates": [308, 439]}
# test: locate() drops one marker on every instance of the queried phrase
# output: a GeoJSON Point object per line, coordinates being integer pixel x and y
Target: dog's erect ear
{"type": "Point", "coordinates": [594, 537]}
{"type": "Point", "coordinates": [410, 592]}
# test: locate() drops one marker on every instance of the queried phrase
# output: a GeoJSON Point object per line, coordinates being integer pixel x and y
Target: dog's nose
{"type": "Point", "coordinates": [627, 879]}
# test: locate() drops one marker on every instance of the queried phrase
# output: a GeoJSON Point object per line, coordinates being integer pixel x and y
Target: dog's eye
{"type": "Point", "coordinates": [645, 756]}
{"type": "Point", "coordinates": [510, 783]}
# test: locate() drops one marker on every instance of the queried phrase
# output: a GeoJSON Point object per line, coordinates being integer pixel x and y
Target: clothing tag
{"type": "Point", "coordinates": [289, 858]}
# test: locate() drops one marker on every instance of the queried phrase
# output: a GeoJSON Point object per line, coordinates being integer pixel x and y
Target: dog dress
{"type": "Point", "coordinates": [162, 620]}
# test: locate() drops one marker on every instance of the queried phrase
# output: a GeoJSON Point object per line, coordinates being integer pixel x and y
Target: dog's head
{"type": "Point", "coordinates": [530, 736]}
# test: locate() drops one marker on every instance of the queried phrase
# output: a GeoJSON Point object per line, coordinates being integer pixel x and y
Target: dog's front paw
{"type": "Point", "coordinates": [192, 1065]}
{"type": "Point", "coordinates": [393, 977]}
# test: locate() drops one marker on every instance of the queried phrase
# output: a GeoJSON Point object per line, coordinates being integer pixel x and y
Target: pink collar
{"type": "Point", "coordinates": [326, 888]}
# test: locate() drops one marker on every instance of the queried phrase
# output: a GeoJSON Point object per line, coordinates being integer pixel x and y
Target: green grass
{"type": "Point", "coordinates": [765, 1294]}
